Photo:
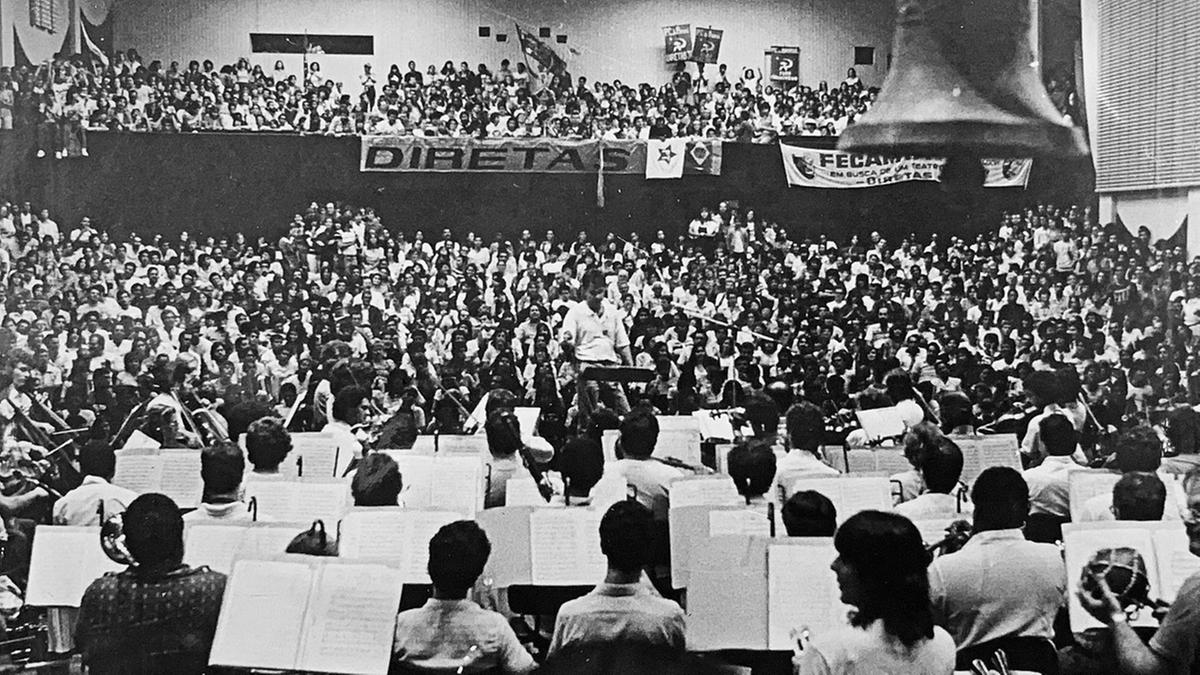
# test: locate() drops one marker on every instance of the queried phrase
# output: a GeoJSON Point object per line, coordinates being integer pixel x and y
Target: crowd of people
{"type": "Point", "coordinates": [68, 96]}
{"type": "Point", "coordinates": [1082, 339]}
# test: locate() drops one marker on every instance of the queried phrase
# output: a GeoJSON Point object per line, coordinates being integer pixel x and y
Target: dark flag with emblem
{"type": "Point", "coordinates": [548, 61]}
{"type": "Point", "coordinates": [702, 157]}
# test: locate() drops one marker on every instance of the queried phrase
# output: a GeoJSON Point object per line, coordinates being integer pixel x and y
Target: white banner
{"type": "Point", "coordinates": [807, 167]}
{"type": "Point", "coordinates": [664, 159]}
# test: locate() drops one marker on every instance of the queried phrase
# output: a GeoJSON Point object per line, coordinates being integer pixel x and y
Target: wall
{"type": "Point", "coordinates": [1161, 211]}
{"type": "Point", "coordinates": [615, 39]}
{"type": "Point", "coordinates": [225, 183]}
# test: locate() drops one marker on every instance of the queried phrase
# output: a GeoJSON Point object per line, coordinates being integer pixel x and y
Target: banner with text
{"type": "Point", "coordinates": [806, 167]}
{"type": "Point", "coordinates": [678, 42]}
{"type": "Point", "coordinates": [707, 48]}
{"type": "Point", "coordinates": [679, 157]}
{"type": "Point", "coordinates": [509, 155]}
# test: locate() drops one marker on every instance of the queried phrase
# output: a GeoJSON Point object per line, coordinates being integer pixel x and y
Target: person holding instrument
{"type": "Point", "coordinates": [593, 331]}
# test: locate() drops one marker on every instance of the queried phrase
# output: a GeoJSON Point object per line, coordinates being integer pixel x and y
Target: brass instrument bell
{"type": "Point", "coordinates": [112, 540]}
{"type": "Point", "coordinates": [965, 83]}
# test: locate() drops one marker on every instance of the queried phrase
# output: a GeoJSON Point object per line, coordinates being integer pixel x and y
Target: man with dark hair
{"type": "Point", "coordinates": [1049, 492]}
{"type": "Point", "coordinates": [752, 468]}
{"type": "Point", "coordinates": [762, 416]}
{"type": "Point", "coordinates": [593, 332]}
{"type": "Point", "coordinates": [1138, 449]}
{"type": "Point", "coordinates": [96, 498]}
{"type": "Point", "coordinates": [350, 404]}
{"type": "Point", "coordinates": [581, 465]}
{"type": "Point", "coordinates": [805, 426]}
{"type": "Point", "coordinates": [241, 414]}
{"type": "Point", "coordinates": [809, 514]}
{"type": "Point", "coordinates": [451, 633]}
{"type": "Point", "coordinates": [377, 481]}
{"type": "Point", "coordinates": [1139, 495]}
{"type": "Point", "coordinates": [648, 477]}
{"type": "Point", "coordinates": [221, 467]}
{"type": "Point", "coordinates": [941, 469]}
{"type": "Point", "coordinates": [622, 609]}
{"type": "Point", "coordinates": [159, 615]}
{"type": "Point", "coordinates": [1044, 391]}
{"type": "Point", "coordinates": [999, 585]}
{"type": "Point", "coordinates": [503, 431]}
{"type": "Point", "coordinates": [267, 445]}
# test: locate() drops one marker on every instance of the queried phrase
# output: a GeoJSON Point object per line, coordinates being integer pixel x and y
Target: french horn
{"type": "Point", "coordinates": [112, 540]}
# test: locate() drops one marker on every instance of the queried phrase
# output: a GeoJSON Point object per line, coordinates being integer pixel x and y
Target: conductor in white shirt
{"type": "Point", "coordinates": [593, 329]}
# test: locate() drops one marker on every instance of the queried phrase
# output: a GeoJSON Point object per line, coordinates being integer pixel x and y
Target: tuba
{"type": "Point", "coordinates": [112, 540]}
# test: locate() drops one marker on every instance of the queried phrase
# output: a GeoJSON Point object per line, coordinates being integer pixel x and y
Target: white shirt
{"type": "Point", "coordinates": [798, 464]}
{"type": "Point", "coordinates": [870, 650]}
{"type": "Point", "coordinates": [1048, 486]}
{"type": "Point", "coordinates": [234, 512]}
{"type": "Point", "coordinates": [349, 447]}
{"type": "Point", "coordinates": [81, 507]}
{"type": "Point", "coordinates": [933, 505]}
{"type": "Point", "coordinates": [596, 337]}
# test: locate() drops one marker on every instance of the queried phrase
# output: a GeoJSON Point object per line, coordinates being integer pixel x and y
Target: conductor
{"type": "Point", "coordinates": [594, 331]}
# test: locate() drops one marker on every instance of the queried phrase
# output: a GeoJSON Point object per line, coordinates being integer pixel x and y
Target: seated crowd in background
{"type": "Point", "coordinates": [68, 95]}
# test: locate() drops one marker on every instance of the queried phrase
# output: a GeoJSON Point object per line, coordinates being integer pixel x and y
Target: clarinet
{"type": "Point", "coordinates": [539, 476]}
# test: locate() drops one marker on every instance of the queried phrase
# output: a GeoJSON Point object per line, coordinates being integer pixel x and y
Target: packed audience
{"type": "Point", "coordinates": [1081, 339]}
{"type": "Point", "coordinates": [66, 97]}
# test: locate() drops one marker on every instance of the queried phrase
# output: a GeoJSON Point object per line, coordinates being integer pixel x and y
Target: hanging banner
{"type": "Point", "coordinates": [783, 64]}
{"type": "Point", "coordinates": [806, 167]}
{"type": "Point", "coordinates": [509, 155]}
{"type": "Point", "coordinates": [678, 42]}
{"type": "Point", "coordinates": [1007, 172]}
{"type": "Point", "coordinates": [707, 47]}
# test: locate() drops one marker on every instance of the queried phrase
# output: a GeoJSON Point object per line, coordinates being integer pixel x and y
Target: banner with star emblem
{"type": "Point", "coordinates": [806, 167]}
{"type": "Point", "coordinates": [664, 158]}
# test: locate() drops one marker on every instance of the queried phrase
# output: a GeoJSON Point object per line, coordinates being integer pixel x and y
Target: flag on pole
{"type": "Point", "coordinates": [664, 158]}
{"type": "Point", "coordinates": [548, 61]}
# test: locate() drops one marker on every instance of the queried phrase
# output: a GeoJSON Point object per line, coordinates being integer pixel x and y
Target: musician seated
{"type": "Point", "coordinates": [504, 445]}
{"type": "Point", "coordinates": [96, 498]}
{"type": "Point", "coordinates": [267, 446]}
{"type": "Point", "coordinates": [580, 465]}
{"type": "Point", "coordinates": [941, 469]}
{"type": "Point", "coordinates": [752, 468]}
{"type": "Point", "coordinates": [999, 584]}
{"type": "Point", "coordinates": [350, 406]}
{"type": "Point", "coordinates": [222, 468]}
{"type": "Point", "coordinates": [916, 443]}
{"type": "Point", "coordinates": [809, 513]}
{"type": "Point", "coordinates": [649, 478]}
{"type": "Point", "coordinates": [622, 609]}
{"type": "Point", "coordinates": [1139, 495]}
{"type": "Point", "coordinates": [1049, 481]}
{"type": "Point", "coordinates": [805, 426]}
{"type": "Point", "coordinates": [239, 415]}
{"type": "Point", "coordinates": [159, 615]}
{"type": "Point", "coordinates": [377, 481]}
{"type": "Point", "coordinates": [761, 413]}
{"type": "Point", "coordinates": [538, 447]}
{"type": "Point", "coordinates": [1138, 449]}
{"type": "Point", "coordinates": [451, 634]}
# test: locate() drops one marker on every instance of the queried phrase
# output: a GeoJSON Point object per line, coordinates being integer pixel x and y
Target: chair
{"type": "Point", "coordinates": [1023, 653]}
{"type": "Point", "coordinates": [413, 596]}
{"type": "Point", "coordinates": [1044, 528]}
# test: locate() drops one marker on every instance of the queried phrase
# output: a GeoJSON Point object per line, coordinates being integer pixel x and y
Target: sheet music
{"type": "Point", "coordinates": [1084, 484]}
{"type": "Point", "coordinates": [263, 615]}
{"type": "Point", "coordinates": [981, 452]}
{"type": "Point", "coordinates": [714, 426]}
{"type": "Point", "coordinates": [300, 502]}
{"type": "Point", "coordinates": [212, 545]}
{"type": "Point", "coordinates": [352, 619]}
{"type": "Point", "coordinates": [398, 536]}
{"type": "Point", "coordinates": [179, 477]}
{"type": "Point", "coordinates": [850, 494]}
{"type": "Point", "coordinates": [416, 473]}
{"type": "Point", "coordinates": [1082, 540]}
{"type": "Point", "coordinates": [319, 453]}
{"type": "Point", "coordinates": [456, 484]}
{"type": "Point", "coordinates": [870, 461]}
{"type": "Point", "coordinates": [714, 491]}
{"type": "Point", "coordinates": [462, 445]}
{"type": "Point", "coordinates": [64, 562]}
{"type": "Point", "coordinates": [522, 492]}
{"type": "Point", "coordinates": [267, 540]}
{"type": "Point", "coordinates": [138, 439]}
{"type": "Point", "coordinates": [138, 470]}
{"type": "Point", "coordinates": [880, 422]}
{"type": "Point", "coordinates": [1176, 562]}
{"type": "Point", "coordinates": [743, 522]}
{"type": "Point", "coordinates": [802, 592]}
{"type": "Point", "coordinates": [565, 547]}
{"type": "Point", "coordinates": [681, 444]}
{"type": "Point", "coordinates": [527, 417]}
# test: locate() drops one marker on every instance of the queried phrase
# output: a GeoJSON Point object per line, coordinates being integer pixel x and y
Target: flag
{"type": "Point", "coordinates": [703, 157]}
{"type": "Point", "coordinates": [706, 48]}
{"type": "Point", "coordinates": [548, 61]}
{"type": "Point", "coordinates": [664, 158]}
{"type": "Point", "coordinates": [92, 47]}
{"type": "Point", "coordinates": [678, 39]}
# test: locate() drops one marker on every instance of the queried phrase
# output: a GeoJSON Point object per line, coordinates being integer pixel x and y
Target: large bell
{"type": "Point", "coordinates": [965, 82]}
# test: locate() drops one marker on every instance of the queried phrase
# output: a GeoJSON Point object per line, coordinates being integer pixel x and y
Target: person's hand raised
{"type": "Point", "coordinates": [1101, 602]}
